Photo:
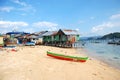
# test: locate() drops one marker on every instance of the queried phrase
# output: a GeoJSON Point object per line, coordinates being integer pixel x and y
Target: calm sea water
{"type": "Point", "coordinates": [107, 53]}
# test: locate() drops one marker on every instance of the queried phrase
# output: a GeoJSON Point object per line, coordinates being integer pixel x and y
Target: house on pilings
{"type": "Point", "coordinates": [67, 38]}
{"type": "Point", "coordinates": [49, 38]}
{"type": "Point", "coordinates": [62, 38]}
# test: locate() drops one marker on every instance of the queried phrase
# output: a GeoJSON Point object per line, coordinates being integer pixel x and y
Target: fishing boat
{"type": "Point", "coordinates": [116, 42]}
{"type": "Point", "coordinates": [67, 57]}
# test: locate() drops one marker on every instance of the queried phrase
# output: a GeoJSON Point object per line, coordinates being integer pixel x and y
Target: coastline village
{"type": "Point", "coordinates": [49, 55]}
{"type": "Point", "coordinates": [60, 38]}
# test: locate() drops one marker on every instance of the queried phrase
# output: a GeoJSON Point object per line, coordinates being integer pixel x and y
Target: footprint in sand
{"type": "Point", "coordinates": [94, 74]}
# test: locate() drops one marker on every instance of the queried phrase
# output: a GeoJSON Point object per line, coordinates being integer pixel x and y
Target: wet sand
{"type": "Point", "coordinates": [32, 63]}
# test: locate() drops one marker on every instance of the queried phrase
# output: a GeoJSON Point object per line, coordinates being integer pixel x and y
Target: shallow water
{"type": "Point", "coordinates": [107, 53]}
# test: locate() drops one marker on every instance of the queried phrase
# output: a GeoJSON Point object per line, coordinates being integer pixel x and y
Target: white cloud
{"type": "Point", "coordinates": [6, 9]}
{"type": "Point", "coordinates": [102, 26]}
{"type": "Point", "coordinates": [46, 25]}
{"type": "Point", "coordinates": [20, 3]}
{"type": "Point", "coordinates": [105, 26]}
{"type": "Point", "coordinates": [10, 24]}
{"type": "Point", "coordinates": [112, 25]}
{"type": "Point", "coordinates": [116, 16]}
{"type": "Point", "coordinates": [28, 8]}
{"type": "Point", "coordinates": [77, 29]}
{"type": "Point", "coordinates": [3, 31]}
{"type": "Point", "coordinates": [6, 26]}
{"type": "Point", "coordinates": [24, 6]}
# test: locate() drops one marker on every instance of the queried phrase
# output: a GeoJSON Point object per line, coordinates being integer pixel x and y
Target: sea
{"type": "Point", "coordinates": [107, 53]}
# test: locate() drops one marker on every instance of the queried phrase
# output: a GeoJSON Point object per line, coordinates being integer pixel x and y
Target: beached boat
{"type": "Point", "coordinates": [30, 43]}
{"type": "Point", "coordinates": [66, 57]}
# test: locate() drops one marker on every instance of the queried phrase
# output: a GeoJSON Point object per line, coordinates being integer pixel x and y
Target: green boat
{"type": "Point", "coordinates": [67, 57]}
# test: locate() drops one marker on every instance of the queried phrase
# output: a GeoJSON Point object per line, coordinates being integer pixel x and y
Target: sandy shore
{"type": "Point", "coordinates": [32, 63]}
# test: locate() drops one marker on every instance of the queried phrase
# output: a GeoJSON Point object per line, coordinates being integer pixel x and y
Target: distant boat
{"type": "Point", "coordinates": [111, 42]}
{"type": "Point", "coordinates": [66, 57]}
{"type": "Point", "coordinates": [117, 42]}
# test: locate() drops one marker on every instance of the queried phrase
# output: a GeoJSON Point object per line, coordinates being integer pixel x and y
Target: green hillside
{"type": "Point", "coordinates": [111, 36]}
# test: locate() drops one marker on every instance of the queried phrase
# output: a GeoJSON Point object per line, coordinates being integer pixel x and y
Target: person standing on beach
{"type": "Point", "coordinates": [5, 41]}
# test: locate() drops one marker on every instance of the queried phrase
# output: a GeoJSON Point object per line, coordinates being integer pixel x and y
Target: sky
{"type": "Point", "coordinates": [89, 17]}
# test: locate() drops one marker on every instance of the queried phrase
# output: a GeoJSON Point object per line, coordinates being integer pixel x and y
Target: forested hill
{"type": "Point", "coordinates": [111, 36]}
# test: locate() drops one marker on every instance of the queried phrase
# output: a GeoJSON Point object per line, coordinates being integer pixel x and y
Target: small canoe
{"type": "Point", "coordinates": [66, 57]}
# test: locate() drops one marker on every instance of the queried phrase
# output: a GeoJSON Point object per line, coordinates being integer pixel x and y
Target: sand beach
{"type": "Point", "coordinates": [32, 63]}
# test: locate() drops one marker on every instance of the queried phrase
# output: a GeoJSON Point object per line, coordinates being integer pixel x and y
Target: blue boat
{"type": "Point", "coordinates": [30, 44]}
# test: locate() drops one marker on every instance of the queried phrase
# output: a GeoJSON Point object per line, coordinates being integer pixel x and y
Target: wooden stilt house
{"type": "Point", "coordinates": [48, 38]}
{"type": "Point", "coordinates": [61, 38]}
{"type": "Point", "coordinates": [67, 38]}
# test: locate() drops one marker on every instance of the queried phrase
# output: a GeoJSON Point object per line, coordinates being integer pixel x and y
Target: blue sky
{"type": "Point", "coordinates": [89, 17]}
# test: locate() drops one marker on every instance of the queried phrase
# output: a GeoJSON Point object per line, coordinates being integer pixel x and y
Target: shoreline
{"type": "Point", "coordinates": [32, 63]}
{"type": "Point", "coordinates": [98, 59]}
{"type": "Point", "coordinates": [94, 58]}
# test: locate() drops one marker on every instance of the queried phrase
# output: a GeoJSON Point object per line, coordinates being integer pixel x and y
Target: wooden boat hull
{"type": "Point", "coordinates": [66, 57]}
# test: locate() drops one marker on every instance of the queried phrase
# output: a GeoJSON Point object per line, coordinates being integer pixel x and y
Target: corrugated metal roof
{"type": "Point", "coordinates": [49, 33]}
{"type": "Point", "coordinates": [71, 32]}
{"type": "Point", "coordinates": [17, 33]}
{"type": "Point", "coordinates": [40, 33]}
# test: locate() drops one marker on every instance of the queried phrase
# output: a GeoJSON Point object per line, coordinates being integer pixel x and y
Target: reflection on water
{"type": "Point", "coordinates": [100, 52]}
{"type": "Point", "coordinates": [107, 53]}
{"type": "Point", "coordinates": [115, 57]}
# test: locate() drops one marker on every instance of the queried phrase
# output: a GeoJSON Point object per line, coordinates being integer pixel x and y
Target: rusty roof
{"type": "Point", "coordinates": [70, 32]}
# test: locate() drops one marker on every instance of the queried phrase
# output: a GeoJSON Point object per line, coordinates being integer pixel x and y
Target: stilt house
{"type": "Point", "coordinates": [61, 38]}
